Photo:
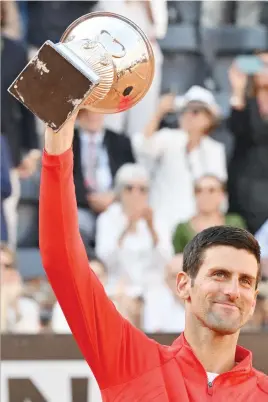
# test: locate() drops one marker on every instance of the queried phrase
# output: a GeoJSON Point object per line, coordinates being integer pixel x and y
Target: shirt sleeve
{"type": "Point", "coordinates": [113, 348]}
{"type": "Point", "coordinates": [149, 150]}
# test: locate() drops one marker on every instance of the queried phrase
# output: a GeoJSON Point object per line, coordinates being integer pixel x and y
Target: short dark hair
{"type": "Point", "coordinates": [193, 254]}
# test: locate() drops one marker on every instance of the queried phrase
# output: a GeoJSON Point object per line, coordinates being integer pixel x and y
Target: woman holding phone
{"type": "Point", "coordinates": [248, 122]}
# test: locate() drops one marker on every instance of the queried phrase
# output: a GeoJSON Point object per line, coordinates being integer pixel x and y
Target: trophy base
{"type": "Point", "coordinates": [54, 84]}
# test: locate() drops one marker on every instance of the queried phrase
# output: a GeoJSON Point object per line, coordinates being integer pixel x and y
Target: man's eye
{"type": "Point", "coordinates": [246, 281]}
{"type": "Point", "coordinates": [220, 274]}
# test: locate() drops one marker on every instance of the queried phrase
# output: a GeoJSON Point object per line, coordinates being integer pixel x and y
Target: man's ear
{"type": "Point", "coordinates": [183, 285]}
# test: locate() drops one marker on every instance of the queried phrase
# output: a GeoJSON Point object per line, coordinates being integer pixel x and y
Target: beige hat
{"type": "Point", "coordinates": [201, 95]}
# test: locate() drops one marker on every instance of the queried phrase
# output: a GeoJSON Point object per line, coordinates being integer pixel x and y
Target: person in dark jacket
{"type": "Point", "coordinates": [248, 122]}
{"type": "Point", "coordinates": [98, 154]}
{"type": "Point", "coordinates": [49, 19]}
{"type": "Point", "coordinates": [5, 185]}
{"type": "Point", "coordinates": [17, 125]}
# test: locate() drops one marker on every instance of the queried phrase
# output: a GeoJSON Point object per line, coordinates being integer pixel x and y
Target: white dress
{"type": "Point", "coordinates": [173, 172]}
{"type": "Point", "coordinates": [137, 260]}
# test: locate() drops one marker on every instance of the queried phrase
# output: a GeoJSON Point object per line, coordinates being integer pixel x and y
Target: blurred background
{"type": "Point", "coordinates": [192, 154]}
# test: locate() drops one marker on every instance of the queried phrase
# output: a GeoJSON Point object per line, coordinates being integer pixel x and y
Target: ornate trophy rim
{"type": "Point", "coordinates": [88, 16]}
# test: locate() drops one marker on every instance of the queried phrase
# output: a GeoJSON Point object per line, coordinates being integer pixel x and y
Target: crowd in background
{"type": "Point", "coordinates": [191, 155]}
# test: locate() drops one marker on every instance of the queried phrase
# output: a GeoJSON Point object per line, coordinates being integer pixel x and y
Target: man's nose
{"type": "Point", "coordinates": [232, 289]}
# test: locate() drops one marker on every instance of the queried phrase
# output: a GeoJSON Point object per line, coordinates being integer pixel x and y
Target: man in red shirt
{"type": "Point", "coordinates": [218, 286]}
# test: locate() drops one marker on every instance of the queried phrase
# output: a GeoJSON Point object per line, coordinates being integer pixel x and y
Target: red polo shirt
{"type": "Point", "coordinates": [128, 366]}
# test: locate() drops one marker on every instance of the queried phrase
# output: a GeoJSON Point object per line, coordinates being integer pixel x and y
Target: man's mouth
{"type": "Point", "coordinates": [227, 305]}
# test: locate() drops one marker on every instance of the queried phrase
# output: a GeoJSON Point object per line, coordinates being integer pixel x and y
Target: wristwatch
{"type": "Point", "coordinates": [237, 101]}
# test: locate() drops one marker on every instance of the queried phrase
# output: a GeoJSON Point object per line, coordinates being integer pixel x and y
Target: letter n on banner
{"type": "Point", "coordinates": [22, 390]}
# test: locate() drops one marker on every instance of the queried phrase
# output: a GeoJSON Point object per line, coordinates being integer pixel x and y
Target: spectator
{"type": "Point", "coordinates": [210, 200]}
{"type": "Point", "coordinates": [164, 310]}
{"type": "Point", "coordinates": [98, 153]}
{"type": "Point", "coordinates": [18, 126]}
{"type": "Point", "coordinates": [259, 321]}
{"type": "Point", "coordinates": [11, 26]}
{"type": "Point", "coordinates": [49, 19]}
{"type": "Point", "coordinates": [129, 301]}
{"type": "Point", "coordinates": [240, 13]}
{"type": "Point", "coordinates": [10, 287]}
{"type": "Point", "coordinates": [130, 239]}
{"type": "Point", "coordinates": [152, 17]}
{"type": "Point", "coordinates": [248, 170]}
{"type": "Point", "coordinates": [18, 314]}
{"type": "Point", "coordinates": [262, 237]}
{"type": "Point", "coordinates": [177, 157]}
{"type": "Point", "coordinates": [5, 185]}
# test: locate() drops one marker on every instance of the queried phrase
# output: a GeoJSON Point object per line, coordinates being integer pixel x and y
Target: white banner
{"type": "Point", "coordinates": [48, 381]}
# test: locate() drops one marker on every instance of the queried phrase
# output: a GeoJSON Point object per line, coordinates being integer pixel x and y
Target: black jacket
{"type": "Point", "coordinates": [17, 122]}
{"type": "Point", "coordinates": [119, 152]}
{"type": "Point", "coordinates": [248, 169]}
{"type": "Point", "coordinates": [49, 19]}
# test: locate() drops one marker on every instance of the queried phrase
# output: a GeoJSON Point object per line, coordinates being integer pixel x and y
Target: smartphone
{"type": "Point", "coordinates": [249, 64]}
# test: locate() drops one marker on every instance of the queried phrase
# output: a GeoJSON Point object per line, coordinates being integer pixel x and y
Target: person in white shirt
{"type": "Point", "coordinates": [163, 310]}
{"type": "Point", "coordinates": [178, 157]}
{"type": "Point", "coordinates": [133, 243]}
{"type": "Point", "coordinates": [151, 16]}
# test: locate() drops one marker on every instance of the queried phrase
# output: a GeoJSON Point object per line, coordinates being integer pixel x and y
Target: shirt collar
{"type": "Point", "coordinates": [97, 137]}
{"type": "Point", "coordinates": [243, 357]}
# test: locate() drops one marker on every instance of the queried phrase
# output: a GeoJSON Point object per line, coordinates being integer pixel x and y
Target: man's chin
{"type": "Point", "coordinates": [220, 330]}
{"type": "Point", "coordinates": [223, 327]}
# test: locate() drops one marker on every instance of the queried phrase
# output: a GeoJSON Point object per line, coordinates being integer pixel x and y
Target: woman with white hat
{"type": "Point", "coordinates": [130, 240]}
{"type": "Point", "coordinates": [178, 157]}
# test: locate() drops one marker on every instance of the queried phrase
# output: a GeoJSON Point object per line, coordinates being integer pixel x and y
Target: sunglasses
{"type": "Point", "coordinates": [142, 189]}
{"type": "Point", "coordinates": [209, 190]}
{"type": "Point", "coordinates": [196, 110]}
{"type": "Point", "coordinates": [7, 265]}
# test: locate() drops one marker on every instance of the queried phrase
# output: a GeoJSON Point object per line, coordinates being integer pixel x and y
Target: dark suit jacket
{"type": "Point", "coordinates": [17, 122]}
{"type": "Point", "coordinates": [119, 152]}
{"type": "Point", "coordinates": [5, 185]}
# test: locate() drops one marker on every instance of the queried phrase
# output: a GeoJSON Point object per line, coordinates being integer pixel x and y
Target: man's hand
{"type": "Point", "coordinates": [58, 143]}
{"type": "Point", "coordinates": [147, 215]}
{"type": "Point", "coordinates": [166, 105]}
{"type": "Point", "coordinates": [27, 167]}
{"type": "Point", "coordinates": [99, 202]}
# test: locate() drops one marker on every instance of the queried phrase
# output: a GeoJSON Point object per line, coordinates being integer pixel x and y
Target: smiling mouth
{"type": "Point", "coordinates": [229, 306]}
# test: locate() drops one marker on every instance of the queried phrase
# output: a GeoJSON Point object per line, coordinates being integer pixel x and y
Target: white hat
{"type": "Point", "coordinates": [202, 95]}
{"type": "Point", "coordinates": [129, 173]}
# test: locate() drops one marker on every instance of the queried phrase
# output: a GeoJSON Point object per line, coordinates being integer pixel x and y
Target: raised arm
{"type": "Point", "coordinates": [115, 351]}
{"type": "Point", "coordinates": [150, 145]}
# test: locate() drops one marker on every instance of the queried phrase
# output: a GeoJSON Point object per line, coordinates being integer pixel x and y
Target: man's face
{"type": "Point", "coordinates": [6, 260]}
{"type": "Point", "coordinates": [223, 295]}
{"type": "Point", "coordinates": [89, 121]}
{"type": "Point", "coordinates": [196, 118]}
{"type": "Point", "coordinates": [135, 195]}
{"type": "Point", "coordinates": [209, 195]}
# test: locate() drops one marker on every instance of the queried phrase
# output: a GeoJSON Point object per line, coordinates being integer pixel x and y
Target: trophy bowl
{"type": "Point", "coordinates": [103, 62]}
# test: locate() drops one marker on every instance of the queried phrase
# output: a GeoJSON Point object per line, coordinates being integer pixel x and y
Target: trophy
{"type": "Point", "coordinates": [103, 62]}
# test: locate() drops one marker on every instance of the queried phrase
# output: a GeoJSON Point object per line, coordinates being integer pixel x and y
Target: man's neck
{"type": "Point", "coordinates": [210, 216]}
{"type": "Point", "coordinates": [216, 353]}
